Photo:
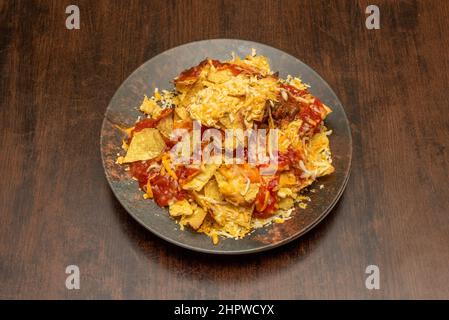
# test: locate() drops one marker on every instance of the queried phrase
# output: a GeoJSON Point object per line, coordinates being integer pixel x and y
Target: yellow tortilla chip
{"type": "Point", "coordinates": [145, 145]}
{"type": "Point", "coordinates": [319, 155]}
{"type": "Point", "coordinates": [252, 192]}
{"type": "Point", "coordinates": [235, 188]}
{"type": "Point", "coordinates": [285, 192]}
{"type": "Point", "coordinates": [181, 113]}
{"type": "Point", "coordinates": [287, 179]}
{"type": "Point", "coordinates": [234, 219]}
{"type": "Point", "coordinates": [211, 190]}
{"type": "Point", "coordinates": [180, 208]}
{"type": "Point", "coordinates": [165, 125]}
{"type": "Point", "coordinates": [150, 107]}
{"type": "Point", "coordinates": [196, 219]}
{"type": "Point", "coordinates": [198, 182]}
{"type": "Point", "coordinates": [219, 76]}
{"type": "Point", "coordinates": [286, 203]}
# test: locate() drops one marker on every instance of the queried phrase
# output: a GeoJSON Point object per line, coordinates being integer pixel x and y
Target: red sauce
{"type": "Point", "coordinates": [293, 91]}
{"type": "Point", "coordinates": [169, 143]}
{"type": "Point", "coordinates": [233, 68]}
{"type": "Point", "coordinates": [145, 123]}
{"type": "Point", "coordinates": [165, 189]}
{"type": "Point", "coordinates": [140, 170]}
{"type": "Point", "coordinates": [298, 174]}
{"type": "Point", "coordinates": [287, 159]}
{"type": "Point", "coordinates": [262, 209]}
{"type": "Point", "coordinates": [183, 124]}
{"type": "Point", "coordinates": [191, 73]}
{"type": "Point", "coordinates": [311, 116]}
{"type": "Point", "coordinates": [150, 123]}
{"type": "Point", "coordinates": [194, 72]}
{"type": "Point", "coordinates": [184, 173]}
{"type": "Point", "coordinates": [252, 173]}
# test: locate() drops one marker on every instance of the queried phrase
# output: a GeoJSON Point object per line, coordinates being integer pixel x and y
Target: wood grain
{"type": "Point", "coordinates": [56, 207]}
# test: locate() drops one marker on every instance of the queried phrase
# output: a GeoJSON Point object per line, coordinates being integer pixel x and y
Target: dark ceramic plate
{"type": "Point", "coordinates": [157, 72]}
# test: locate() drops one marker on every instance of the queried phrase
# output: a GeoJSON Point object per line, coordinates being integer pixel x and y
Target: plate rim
{"type": "Point", "coordinates": [264, 247]}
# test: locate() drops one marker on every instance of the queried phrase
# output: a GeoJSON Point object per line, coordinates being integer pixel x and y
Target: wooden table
{"type": "Point", "coordinates": [57, 208]}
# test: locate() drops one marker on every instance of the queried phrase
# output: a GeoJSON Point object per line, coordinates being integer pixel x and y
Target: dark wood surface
{"type": "Point", "coordinates": [56, 207]}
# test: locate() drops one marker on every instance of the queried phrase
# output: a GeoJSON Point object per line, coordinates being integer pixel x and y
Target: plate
{"type": "Point", "coordinates": [157, 73]}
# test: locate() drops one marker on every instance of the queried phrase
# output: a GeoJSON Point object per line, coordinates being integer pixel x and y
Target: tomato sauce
{"type": "Point", "coordinates": [140, 170]}
{"type": "Point", "coordinates": [143, 124]}
{"type": "Point", "coordinates": [234, 69]}
{"type": "Point", "coordinates": [150, 123]}
{"type": "Point", "coordinates": [183, 124]}
{"type": "Point", "coordinates": [165, 190]}
{"type": "Point", "coordinates": [294, 91]}
{"type": "Point", "coordinates": [288, 158]}
{"type": "Point", "coordinates": [194, 72]}
{"type": "Point", "coordinates": [310, 114]}
{"type": "Point", "coordinates": [191, 73]}
{"type": "Point", "coordinates": [184, 173]}
{"type": "Point", "coordinates": [311, 117]}
{"type": "Point", "coordinates": [266, 200]}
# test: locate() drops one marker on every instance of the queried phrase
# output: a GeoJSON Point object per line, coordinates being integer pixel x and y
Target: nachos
{"type": "Point", "coordinates": [222, 198]}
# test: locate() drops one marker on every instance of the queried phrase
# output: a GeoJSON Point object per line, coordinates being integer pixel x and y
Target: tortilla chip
{"type": "Point", "coordinates": [150, 107]}
{"type": "Point", "coordinates": [211, 190]}
{"type": "Point", "coordinates": [181, 113]}
{"type": "Point", "coordinates": [319, 155]}
{"type": "Point", "coordinates": [235, 188]}
{"type": "Point", "coordinates": [287, 179]}
{"type": "Point", "coordinates": [228, 215]}
{"type": "Point", "coordinates": [165, 125]}
{"type": "Point", "coordinates": [286, 203]}
{"type": "Point", "coordinates": [201, 200]}
{"type": "Point", "coordinates": [145, 145]}
{"type": "Point", "coordinates": [285, 192]}
{"type": "Point", "coordinates": [180, 208]}
{"type": "Point", "coordinates": [219, 76]}
{"type": "Point", "coordinates": [198, 182]}
{"type": "Point", "coordinates": [196, 219]}
{"type": "Point", "coordinates": [252, 192]}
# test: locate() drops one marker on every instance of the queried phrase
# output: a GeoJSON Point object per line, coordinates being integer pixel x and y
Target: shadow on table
{"type": "Point", "coordinates": [152, 246]}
